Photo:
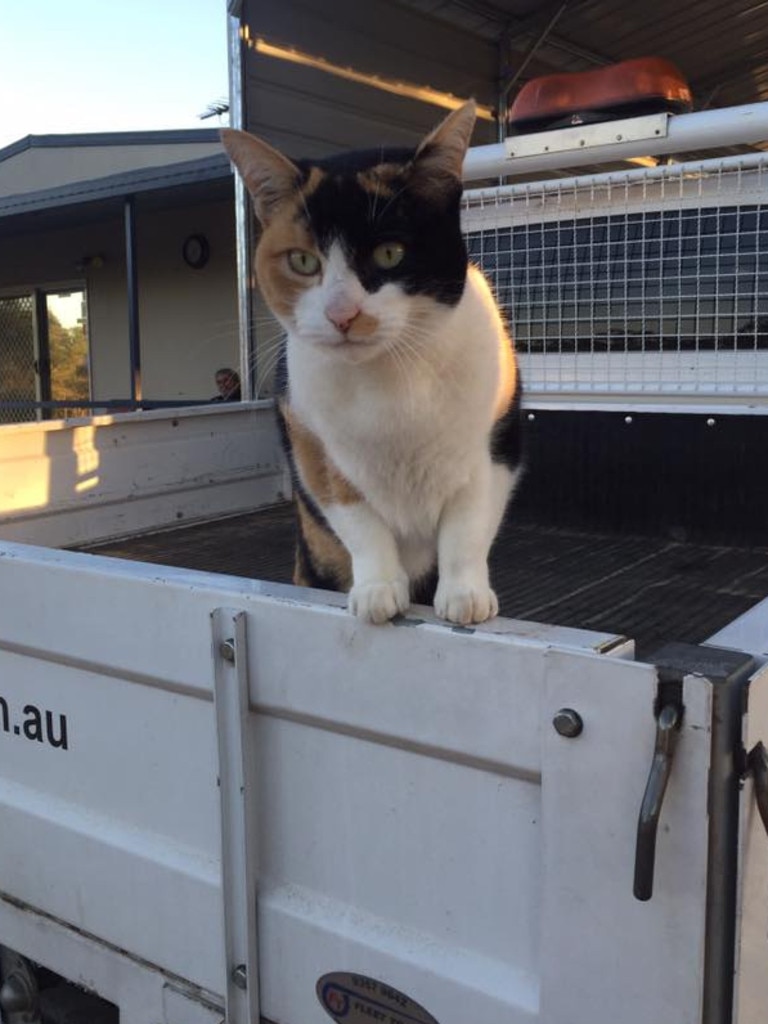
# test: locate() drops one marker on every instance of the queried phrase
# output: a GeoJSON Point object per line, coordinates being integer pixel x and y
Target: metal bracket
{"type": "Point", "coordinates": [757, 766]}
{"type": "Point", "coordinates": [587, 136]}
{"type": "Point", "coordinates": [728, 670]}
{"type": "Point", "coordinates": [236, 775]}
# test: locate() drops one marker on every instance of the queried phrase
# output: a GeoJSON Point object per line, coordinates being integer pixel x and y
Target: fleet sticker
{"type": "Point", "coordinates": [356, 999]}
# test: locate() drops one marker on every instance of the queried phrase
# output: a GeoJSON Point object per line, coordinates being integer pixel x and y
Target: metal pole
{"type": "Point", "coordinates": [243, 221]}
{"type": "Point", "coordinates": [43, 354]}
{"type": "Point", "coordinates": [238, 816]}
{"type": "Point", "coordinates": [131, 267]}
{"type": "Point", "coordinates": [727, 126]}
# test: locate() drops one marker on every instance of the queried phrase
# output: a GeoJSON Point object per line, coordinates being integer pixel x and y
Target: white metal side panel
{"type": "Point", "coordinates": [610, 957]}
{"type": "Point", "coordinates": [751, 995]}
{"type": "Point", "coordinates": [68, 482]}
{"type": "Point", "coordinates": [428, 827]}
{"type": "Point", "coordinates": [414, 815]}
{"type": "Point", "coordinates": [115, 830]}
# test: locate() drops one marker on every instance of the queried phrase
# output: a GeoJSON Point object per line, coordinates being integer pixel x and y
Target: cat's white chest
{"type": "Point", "coordinates": [405, 431]}
{"type": "Point", "coordinates": [409, 470]}
{"type": "Point", "coordinates": [403, 460]}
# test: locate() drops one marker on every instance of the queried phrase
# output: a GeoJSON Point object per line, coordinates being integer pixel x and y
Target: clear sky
{"type": "Point", "coordinates": [104, 65]}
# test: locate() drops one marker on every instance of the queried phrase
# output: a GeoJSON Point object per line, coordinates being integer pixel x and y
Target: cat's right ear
{"type": "Point", "coordinates": [437, 165]}
{"type": "Point", "coordinates": [269, 176]}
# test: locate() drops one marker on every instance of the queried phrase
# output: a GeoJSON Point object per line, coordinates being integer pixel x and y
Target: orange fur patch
{"type": "Point", "coordinates": [329, 556]}
{"type": "Point", "coordinates": [379, 180]}
{"type": "Point", "coordinates": [363, 326]}
{"type": "Point", "coordinates": [316, 175]}
{"type": "Point", "coordinates": [287, 229]}
{"type": "Point", "coordinates": [281, 288]}
{"type": "Point", "coordinates": [321, 478]}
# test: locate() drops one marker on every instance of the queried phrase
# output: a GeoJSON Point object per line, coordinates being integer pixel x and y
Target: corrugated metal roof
{"type": "Point", "coordinates": [176, 177]}
{"type": "Point", "coordinates": [722, 48]}
{"type": "Point", "coordinates": [87, 140]}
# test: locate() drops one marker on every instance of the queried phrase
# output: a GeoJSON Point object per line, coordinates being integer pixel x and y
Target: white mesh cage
{"type": "Point", "coordinates": [644, 284]}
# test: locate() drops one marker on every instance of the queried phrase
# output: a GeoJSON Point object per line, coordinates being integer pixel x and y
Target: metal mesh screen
{"type": "Point", "coordinates": [17, 357]}
{"type": "Point", "coordinates": [641, 283]}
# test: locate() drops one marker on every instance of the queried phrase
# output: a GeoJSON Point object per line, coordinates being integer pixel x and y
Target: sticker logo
{"type": "Point", "coordinates": [357, 999]}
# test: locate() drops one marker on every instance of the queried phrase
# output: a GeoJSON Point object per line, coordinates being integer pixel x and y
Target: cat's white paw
{"type": "Point", "coordinates": [463, 603]}
{"type": "Point", "coordinates": [379, 601]}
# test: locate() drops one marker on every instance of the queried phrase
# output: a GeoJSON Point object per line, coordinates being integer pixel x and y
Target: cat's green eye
{"type": "Point", "coordinates": [388, 255]}
{"type": "Point", "coordinates": [303, 262]}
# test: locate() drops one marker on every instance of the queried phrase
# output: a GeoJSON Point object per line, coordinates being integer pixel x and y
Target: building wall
{"type": "Point", "coordinates": [188, 318]}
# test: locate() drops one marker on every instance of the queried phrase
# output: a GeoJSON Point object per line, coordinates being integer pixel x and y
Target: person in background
{"type": "Point", "coordinates": [228, 385]}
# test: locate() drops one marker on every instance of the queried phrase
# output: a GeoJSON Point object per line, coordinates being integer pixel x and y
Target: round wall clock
{"type": "Point", "coordinates": [196, 251]}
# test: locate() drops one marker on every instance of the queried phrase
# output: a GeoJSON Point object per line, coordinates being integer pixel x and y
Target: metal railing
{"type": "Point", "coordinates": [24, 411]}
{"type": "Point", "coordinates": [650, 283]}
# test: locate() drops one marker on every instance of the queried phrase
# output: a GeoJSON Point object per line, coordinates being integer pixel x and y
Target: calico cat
{"type": "Point", "coordinates": [398, 391]}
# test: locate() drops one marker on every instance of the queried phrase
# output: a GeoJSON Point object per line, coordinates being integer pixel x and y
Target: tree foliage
{"type": "Point", "coordinates": [68, 350]}
{"type": "Point", "coordinates": [69, 361]}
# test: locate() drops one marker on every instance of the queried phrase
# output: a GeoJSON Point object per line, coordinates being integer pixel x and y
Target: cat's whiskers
{"type": "Point", "coordinates": [267, 359]}
{"type": "Point", "coordinates": [415, 365]}
{"type": "Point", "coordinates": [374, 201]}
{"type": "Point", "coordinates": [411, 364]}
{"type": "Point", "coordinates": [306, 208]}
{"type": "Point", "coordinates": [401, 368]}
{"type": "Point", "coordinates": [228, 329]}
{"type": "Point", "coordinates": [395, 195]}
{"type": "Point", "coordinates": [445, 376]}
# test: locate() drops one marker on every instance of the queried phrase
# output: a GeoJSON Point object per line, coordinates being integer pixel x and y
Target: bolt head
{"type": "Point", "coordinates": [227, 650]}
{"type": "Point", "coordinates": [240, 976]}
{"type": "Point", "coordinates": [568, 723]}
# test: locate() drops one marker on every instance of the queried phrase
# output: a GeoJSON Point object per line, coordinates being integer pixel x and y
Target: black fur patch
{"type": "Point", "coordinates": [508, 434]}
{"type": "Point", "coordinates": [310, 573]}
{"type": "Point", "coordinates": [423, 589]}
{"type": "Point", "coordinates": [341, 209]}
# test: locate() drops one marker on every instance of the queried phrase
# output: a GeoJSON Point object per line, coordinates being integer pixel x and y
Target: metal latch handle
{"type": "Point", "coordinates": [667, 731]}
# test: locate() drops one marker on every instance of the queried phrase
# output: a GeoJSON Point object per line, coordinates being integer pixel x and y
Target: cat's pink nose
{"type": "Point", "coordinates": [342, 313]}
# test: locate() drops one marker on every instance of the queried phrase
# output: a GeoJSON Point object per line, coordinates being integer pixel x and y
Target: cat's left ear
{"type": "Point", "coordinates": [440, 157]}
